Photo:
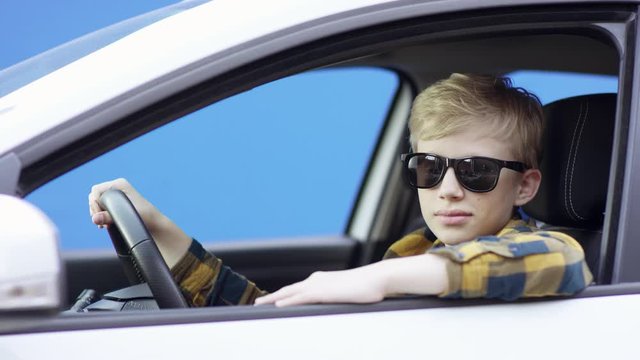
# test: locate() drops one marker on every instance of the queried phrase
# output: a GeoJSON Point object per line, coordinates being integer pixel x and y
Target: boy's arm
{"type": "Point", "coordinates": [420, 274]}
{"type": "Point", "coordinates": [201, 276]}
{"type": "Point", "coordinates": [508, 267]}
{"type": "Point", "coordinates": [205, 281]}
{"type": "Point", "coordinates": [517, 265]}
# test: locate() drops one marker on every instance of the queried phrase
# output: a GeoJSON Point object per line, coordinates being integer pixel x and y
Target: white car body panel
{"type": "Point", "coordinates": [210, 28]}
{"type": "Point", "coordinates": [564, 329]}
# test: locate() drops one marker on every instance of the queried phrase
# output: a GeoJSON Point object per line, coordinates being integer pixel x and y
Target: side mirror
{"type": "Point", "coordinates": [30, 265]}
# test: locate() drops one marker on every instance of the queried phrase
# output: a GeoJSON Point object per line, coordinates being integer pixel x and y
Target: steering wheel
{"type": "Point", "coordinates": [138, 252]}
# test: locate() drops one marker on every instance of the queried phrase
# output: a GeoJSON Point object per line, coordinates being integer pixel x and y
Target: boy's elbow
{"type": "Point", "coordinates": [569, 279]}
{"type": "Point", "coordinates": [576, 275]}
{"type": "Point", "coordinates": [576, 278]}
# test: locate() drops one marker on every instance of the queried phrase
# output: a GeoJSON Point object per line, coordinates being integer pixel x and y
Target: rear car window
{"type": "Point", "coordinates": [550, 86]}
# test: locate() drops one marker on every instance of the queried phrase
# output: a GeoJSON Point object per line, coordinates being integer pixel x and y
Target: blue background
{"type": "Point", "coordinates": [30, 27]}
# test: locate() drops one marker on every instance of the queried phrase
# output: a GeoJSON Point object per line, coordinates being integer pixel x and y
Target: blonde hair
{"type": "Point", "coordinates": [510, 113]}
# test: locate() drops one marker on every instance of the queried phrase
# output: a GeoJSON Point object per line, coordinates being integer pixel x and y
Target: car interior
{"type": "Point", "coordinates": [574, 196]}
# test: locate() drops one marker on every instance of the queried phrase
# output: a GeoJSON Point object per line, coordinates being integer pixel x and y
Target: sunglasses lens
{"type": "Point", "coordinates": [478, 174]}
{"type": "Point", "coordinates": [424, 171]}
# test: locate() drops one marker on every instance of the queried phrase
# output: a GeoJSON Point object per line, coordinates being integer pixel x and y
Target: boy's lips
{"type": "Point", "coordinates": [453, 217]}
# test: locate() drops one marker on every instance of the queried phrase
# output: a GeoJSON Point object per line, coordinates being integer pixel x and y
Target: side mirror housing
{"type": "Point", "coordinates": [31, 276]}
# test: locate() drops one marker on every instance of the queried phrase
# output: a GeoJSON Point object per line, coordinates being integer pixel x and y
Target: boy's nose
{"type": "Point", "coordinates": [450, 188]}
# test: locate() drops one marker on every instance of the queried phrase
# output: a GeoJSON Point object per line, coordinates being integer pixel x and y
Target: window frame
{"type": "Point", "coordinates": [344, 47]}
{"type": "Point", "coordinates": [621, 251]}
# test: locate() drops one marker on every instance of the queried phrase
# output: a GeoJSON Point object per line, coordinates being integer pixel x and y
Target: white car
{"type": "Point", "coordinates": [151, 98]}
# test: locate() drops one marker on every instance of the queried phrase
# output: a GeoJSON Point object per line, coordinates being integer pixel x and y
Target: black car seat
{"type": "Point", "coordinates": [577, 146]}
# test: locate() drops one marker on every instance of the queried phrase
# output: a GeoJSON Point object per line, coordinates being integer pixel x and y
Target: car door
{"type": "Point", "coordinates": [423, 42]}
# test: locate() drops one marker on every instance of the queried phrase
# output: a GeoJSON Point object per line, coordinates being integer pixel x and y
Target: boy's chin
{"type": "Point", "coordinates": [451, 242]}
{"type": "Point", "coordinates": [452, 237]}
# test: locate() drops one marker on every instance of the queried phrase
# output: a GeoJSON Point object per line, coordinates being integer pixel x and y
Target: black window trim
{"type": "Point", "coordinates": [106, 320]}
{"type": "Point", "coordinates": [623, 265]}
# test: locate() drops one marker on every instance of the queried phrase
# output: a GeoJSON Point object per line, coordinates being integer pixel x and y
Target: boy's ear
{"type": "Point", "coordinates": [528, 186]}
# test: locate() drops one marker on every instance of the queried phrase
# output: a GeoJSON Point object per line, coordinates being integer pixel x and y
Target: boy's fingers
{"type": "Point", "coordinates": [97, 213]}
{"type": "Point", "coordinates": [263, 300]}
{"type": "Point", "coordinates": [94, 207]}
{"type": "Point", "coordinates": [298, 299]}
{"type": "Point", "coordinates": [269, 299]}
{"type": "Point", "coordinates": [102, 218]}
{"type": "Point", "coordinates": [285, 292]}
{"type": "Point", "coordinates": [94, 196]}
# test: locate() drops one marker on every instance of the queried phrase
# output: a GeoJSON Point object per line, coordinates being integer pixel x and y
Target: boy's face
{"type": "Point", "coordinates": [455, 214]}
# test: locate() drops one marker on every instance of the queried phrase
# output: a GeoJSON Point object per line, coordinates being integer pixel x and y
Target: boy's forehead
{"type": "Point", "coordinates": [472, 142]}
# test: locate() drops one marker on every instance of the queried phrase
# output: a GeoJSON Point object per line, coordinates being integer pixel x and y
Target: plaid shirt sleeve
{"type": "Point", "coordinates": [520, 261]}
{"type": "Point", "coordinates": [205, 281]}
{"type": "Point", "coordinates": [414, 243]}
{"type": "Point", "coordinates": [516, 264]}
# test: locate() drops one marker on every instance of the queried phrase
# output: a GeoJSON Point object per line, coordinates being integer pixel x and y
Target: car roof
{"type": "Point", "coordinates": [200, 43]}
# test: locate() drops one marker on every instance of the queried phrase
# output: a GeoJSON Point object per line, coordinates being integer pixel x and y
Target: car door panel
{"type": "Point", "coordinates": [270, 264]}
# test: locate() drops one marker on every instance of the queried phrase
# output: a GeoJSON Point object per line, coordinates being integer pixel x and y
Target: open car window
{"type": "Point", "coordinates": [285, 159]}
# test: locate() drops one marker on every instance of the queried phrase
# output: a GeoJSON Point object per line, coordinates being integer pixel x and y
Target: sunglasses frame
{"type": "Point", "coordinates": [451, 162]}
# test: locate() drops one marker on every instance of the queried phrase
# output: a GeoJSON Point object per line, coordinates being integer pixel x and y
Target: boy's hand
{"type": "Point", "coordinates": [361, 285]}
{"type": "Point", "coordinates": [100, 217]}
{"type": "Point", "coordinates": [172, 242]}
{"type": "Point", "coordinates": [421, 274]}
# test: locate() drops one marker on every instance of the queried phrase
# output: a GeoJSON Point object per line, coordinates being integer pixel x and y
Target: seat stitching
{"type": "Point", "coordinates": [566, 177]}
{"type": "Point", "coordinates": [573, 163]}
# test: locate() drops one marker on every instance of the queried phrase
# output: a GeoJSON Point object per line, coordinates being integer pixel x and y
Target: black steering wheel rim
{"type": "Point", "coordinates": [138, 252]}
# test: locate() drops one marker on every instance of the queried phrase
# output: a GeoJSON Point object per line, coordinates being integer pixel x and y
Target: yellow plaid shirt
{"type": "Point", "coordinates": [520, 261]}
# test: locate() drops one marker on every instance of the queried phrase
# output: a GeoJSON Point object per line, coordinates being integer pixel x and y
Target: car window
{"type": "Point", "coordinates": [282, 159]}
{"type": "Point", "coordinates": [550, 86]}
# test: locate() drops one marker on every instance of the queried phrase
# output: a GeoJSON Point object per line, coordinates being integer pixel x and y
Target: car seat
{"type": "Point", "coordinates": [577, 145]}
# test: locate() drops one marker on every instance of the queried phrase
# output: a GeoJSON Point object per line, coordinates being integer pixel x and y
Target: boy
{"type": "Point", "coordinates": [477, 143]}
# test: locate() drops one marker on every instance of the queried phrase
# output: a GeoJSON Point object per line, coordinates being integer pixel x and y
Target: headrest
{"type": "Point", "coordinates": [576, 145]}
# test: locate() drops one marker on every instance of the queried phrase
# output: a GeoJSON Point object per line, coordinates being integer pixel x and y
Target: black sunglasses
{"type": "Point", "coordinates": [475, 173]}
